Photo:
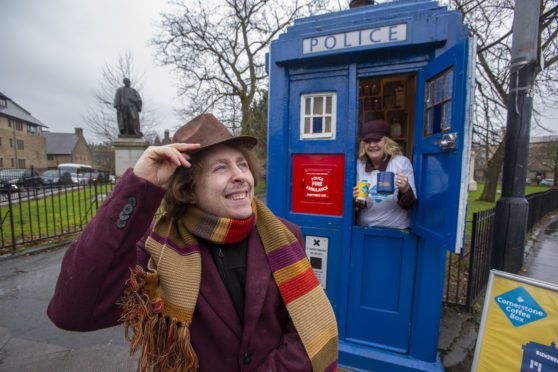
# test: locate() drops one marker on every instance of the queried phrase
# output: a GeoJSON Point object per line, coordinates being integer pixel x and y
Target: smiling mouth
{"type": "Point", "coordinates": [238, 195]}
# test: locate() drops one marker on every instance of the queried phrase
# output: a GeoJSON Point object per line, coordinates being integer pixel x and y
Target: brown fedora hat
{"type": "Point", "coordinates": [206, 130]}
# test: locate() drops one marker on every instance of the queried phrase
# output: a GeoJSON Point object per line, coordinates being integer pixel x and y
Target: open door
{"type": "Point", "coordinates": [443, 146]}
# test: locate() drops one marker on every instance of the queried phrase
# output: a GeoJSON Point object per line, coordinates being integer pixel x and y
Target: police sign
{"type": "Point", "coordinates": [354, 39]}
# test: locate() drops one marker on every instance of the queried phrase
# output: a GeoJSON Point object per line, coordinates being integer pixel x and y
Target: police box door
{"type": "Point", "coordinates": [383, 261]}
{"type": "Point", "coordinates": [441, 157]}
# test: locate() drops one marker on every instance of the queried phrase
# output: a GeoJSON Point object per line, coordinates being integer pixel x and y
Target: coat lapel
{"type": "Point", "coordinates": [213, 291]}
{"type": "Point", "coordinates": [258, 275]}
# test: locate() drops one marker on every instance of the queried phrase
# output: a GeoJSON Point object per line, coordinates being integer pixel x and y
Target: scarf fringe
{"type": "Point", "coordinates": [164, 341]}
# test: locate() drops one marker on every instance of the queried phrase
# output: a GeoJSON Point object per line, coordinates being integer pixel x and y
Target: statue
{"type": "Point", "coordinates": [127, 102]}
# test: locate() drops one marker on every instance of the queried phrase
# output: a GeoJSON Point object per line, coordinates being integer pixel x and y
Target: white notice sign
{"type": "Point", "coordinates": [354, 39]}
{"type": "Point", "coordinates": [316, 251]}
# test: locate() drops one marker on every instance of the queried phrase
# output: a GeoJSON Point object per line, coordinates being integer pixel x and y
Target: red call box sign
{"type": "Point", "coordinates": [317, 185]}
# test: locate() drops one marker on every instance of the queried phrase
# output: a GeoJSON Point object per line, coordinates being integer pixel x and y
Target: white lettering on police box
{"type": "Point", "coordinates": [353, 39]}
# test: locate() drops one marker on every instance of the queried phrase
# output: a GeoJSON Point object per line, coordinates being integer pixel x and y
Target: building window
{"type": "Point", "coordinates": [21, 163]}
{"type": "Point", "coordinates": [11, 142]}
{"type": "Point", "coordinates": [437, 106]}
{"type": "Point", "coordinates": [318, 115]}
{"type": "Point", "coordinates": [1, 162]}
{"type": "Point", "coordinates": [3, 102]}
{"type": "Point", "coordinates": [0, 141]}
{"type": "Point", "coordinates": [34, 129]}
{"type": "Point", "coordinates": [50, 157]}
{"type": "Point", "coordinates": [19, 125]}
{"type": "Point", "coordinates": [20, 145]}
{"type": "Point", "coordinates": [12, 159]}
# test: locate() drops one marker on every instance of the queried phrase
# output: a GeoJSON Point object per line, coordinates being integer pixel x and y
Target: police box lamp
{"type": "Point", "coordinates": [357, 3]}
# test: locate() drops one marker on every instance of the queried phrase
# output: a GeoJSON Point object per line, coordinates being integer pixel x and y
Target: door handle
{"type": "Point", "coordinates": [448, 141]}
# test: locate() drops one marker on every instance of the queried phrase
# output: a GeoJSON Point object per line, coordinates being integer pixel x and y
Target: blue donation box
{"type": "Point", "coordinates": [410, 63]}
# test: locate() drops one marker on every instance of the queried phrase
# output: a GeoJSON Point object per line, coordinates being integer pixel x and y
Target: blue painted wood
{"type": "Point", "coordinates": [427, 25]}
{"type": "Point", "coordinates": [438, 172]}
{"type": "Point", "coordinates": [381, 287]}
{"type": "Point", "coordinates": [427, 301]}
{"type": "Point", "coordinates": [362, 358]}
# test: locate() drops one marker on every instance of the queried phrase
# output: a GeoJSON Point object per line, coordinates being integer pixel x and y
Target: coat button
{"type": "Point", "coordinates": [132, 201]}
{"type": "Point", "coordinates": [248, 356]}
{"type": "Point", "coordinates": [121, 223]}
{"type": "Point", "coordinates": [128, 208]}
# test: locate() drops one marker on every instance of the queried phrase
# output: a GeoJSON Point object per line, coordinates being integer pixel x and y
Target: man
{"type": "Point", "coordinates": [128, 104]}
{"type": "Point", "coordinates": [221, 284]}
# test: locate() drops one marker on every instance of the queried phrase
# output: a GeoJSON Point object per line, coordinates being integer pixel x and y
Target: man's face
{"type": "Point", "coordinates": [225, 186]}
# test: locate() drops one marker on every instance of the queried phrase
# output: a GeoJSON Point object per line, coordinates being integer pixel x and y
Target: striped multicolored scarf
{"type": "Point", "coordinates": [158, 305]}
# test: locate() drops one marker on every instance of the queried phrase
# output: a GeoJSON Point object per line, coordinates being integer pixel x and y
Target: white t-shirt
{"type": "Point", "coordinates": [382, 209]}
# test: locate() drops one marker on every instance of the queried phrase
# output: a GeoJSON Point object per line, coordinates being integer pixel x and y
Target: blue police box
{"type": "Point", "coordinates": [410, 63]}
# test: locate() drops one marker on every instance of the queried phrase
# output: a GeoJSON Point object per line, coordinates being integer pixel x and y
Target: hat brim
{"type": "Point", "coordinates": [371, 136]}
{"type": "Point", "coordinates": [247, 141]}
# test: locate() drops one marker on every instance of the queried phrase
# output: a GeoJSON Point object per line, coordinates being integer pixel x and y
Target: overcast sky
{"type": "Point", "coordinates": [52, 52]}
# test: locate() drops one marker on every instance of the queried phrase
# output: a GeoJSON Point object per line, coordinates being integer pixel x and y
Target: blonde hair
{"type": "Point", "coordinates": [391, 148]}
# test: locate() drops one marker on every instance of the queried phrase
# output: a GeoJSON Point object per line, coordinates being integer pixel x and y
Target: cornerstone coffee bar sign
{"type": "Point", "coordinates": [353, 39]}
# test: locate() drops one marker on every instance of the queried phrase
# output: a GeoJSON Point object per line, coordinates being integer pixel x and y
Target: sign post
{"type": "Point", "coordinates": [519, 325]}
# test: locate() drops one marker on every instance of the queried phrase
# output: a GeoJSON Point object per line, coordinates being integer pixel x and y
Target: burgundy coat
{"type": "Point", "coordinates": [96, 267]}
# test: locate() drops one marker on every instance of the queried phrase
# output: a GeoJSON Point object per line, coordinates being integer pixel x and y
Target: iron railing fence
{"type": "Point", "coordinates": [32, 213]}
{"type": "Point", "coordinates": [480, 260]}
{"type": "Point", "coordinates": [467, 273]}
{"type": "Point", "coordinates": [540, 204]}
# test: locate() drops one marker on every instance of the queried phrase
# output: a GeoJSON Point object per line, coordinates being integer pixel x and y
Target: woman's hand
{"type": "Point", "coordinates": [355, 192]}
{"type": "Point", "coordinates": [402, 182]}
{"type": "Point", "coordinates": [157, 163]}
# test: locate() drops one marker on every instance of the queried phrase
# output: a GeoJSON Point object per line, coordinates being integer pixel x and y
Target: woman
{"type": "Point", "coordinates": [378, 153]}
{"type": "Point", "coordinates": [218, 283]}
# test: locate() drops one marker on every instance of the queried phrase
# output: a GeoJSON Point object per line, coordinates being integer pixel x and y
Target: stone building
{"type": "Point", "coordinates": [67, 148]}
{"type": "Point", "coordinates": [22, 144]}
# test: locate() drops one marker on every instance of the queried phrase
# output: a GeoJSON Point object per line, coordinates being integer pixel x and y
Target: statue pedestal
{"type": "Point", "coordinates": [127, 151]}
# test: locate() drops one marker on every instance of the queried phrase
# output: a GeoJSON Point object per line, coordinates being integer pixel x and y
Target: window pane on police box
{"type": "Point", "coordinates": [446, 124]}
{"type": "Point", "coordinates": [428, 122]}
{"type": "Point", "coordinates": [448, 89]}
{"type": "Point", "coordinates": [306, 125]}
{"type": "Point", "coordinates": [328, 105]}
{"type": "Point", "coordinates": [318, 105]}
{"type": "Point", "coordinates": [307, 105]}
{"type": "Point", "coordinates": [439, 88]}
{"type": "Point", "coordinates": [317, 125]}
{"type": "Point", "coordinates": [430, 94]}
{"type": "Point", "coordinates": [327, 124]}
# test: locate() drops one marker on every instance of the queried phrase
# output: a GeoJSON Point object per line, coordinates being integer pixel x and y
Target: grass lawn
{"type": "Point", "coordinates": [49, 216]}
{"type": "Point", "coordinates": [474, 205]}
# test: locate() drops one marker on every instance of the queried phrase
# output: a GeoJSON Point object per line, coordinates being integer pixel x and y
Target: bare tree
{"type": "Point", "coordinates": [490, 22]}
{"type": "Point", "coordinates": [100, 118]}
{"type": "Point", "coordinates": [217, 49]}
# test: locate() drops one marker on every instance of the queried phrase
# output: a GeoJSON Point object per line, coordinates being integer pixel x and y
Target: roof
{"type": "Point", "coordinates": [60, 143]}
{"type": "Point", "coordinates": [14, 110]}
